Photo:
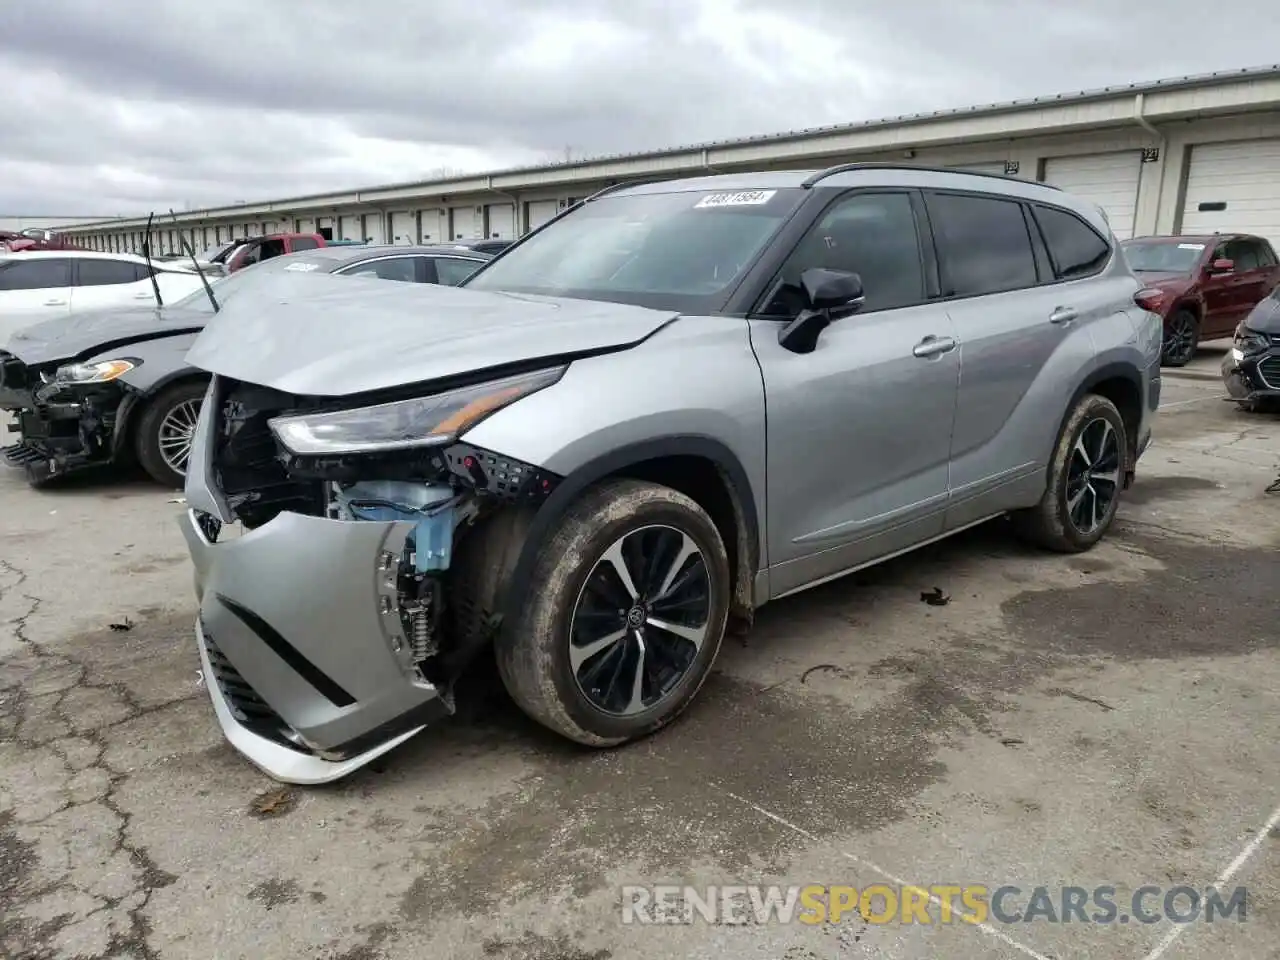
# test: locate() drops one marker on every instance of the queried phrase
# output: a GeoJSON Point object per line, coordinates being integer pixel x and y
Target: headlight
{"type": "Point", "coordinates": [404, 424]}
{"type": "Point", "coordinates": [99, 372]}
{"type": "Point", "coordinates": [1249, 341]}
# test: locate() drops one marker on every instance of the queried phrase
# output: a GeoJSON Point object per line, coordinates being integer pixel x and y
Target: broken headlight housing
{"type": "Point", "coordinates": [101, 371]}
{"type": "Point", "coordinates": [1248, 341]}
{"type": "Point", "coordinates": [405, 424]}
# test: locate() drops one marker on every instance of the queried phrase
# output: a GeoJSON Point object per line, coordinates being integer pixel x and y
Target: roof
{"type": "Point", "coordinates": [1189, 237]}
{"type": "Point", "coordinates": [77, 254]}
{"type": "Point", "coordinates": [447, 185]}
{"type": "Point", "coordinates": [351, 254]}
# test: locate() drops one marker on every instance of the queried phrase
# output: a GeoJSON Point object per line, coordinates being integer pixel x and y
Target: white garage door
{"type": "Point", "coordinates": [1234, 188]}
{"type": "Point", "coordinates": [502, 221]}
{"type": "Point", "coordinates": [465, 226]}
{"type": "Point", "coordinates": [271, 226]}
{"type": "Point", "coordinates": [306, 225]}
{"type": "Point", "coordinates": [540, 211]}
{"type": "Point", "coordinates": [404, 228]}
{"type": "Point", "coordinates": [434, 224]}
{"type": "Point", "coordinates": [350, 227]}
{"type": "Point", "coordinates": [375, 227]}
{"type": "Point", "coordinates": [1108, 179]}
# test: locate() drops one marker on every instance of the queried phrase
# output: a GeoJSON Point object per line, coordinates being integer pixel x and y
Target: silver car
{"type": "Point", "coordinates": [656, 413]}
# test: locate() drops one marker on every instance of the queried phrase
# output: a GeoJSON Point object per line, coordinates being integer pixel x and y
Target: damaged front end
{"type": "Point", "coordinates": [66, 417]}
{"type": "Point", "coordinates": [347, 557]}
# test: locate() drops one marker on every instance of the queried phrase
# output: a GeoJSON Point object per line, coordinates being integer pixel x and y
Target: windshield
{"type": "Point", "coordinates": [673, 251]}
{"type": "Point", "coordinates": [1162, 257]}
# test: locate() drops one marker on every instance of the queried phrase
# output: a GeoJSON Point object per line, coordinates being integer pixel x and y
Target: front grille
{"type": "Point", "coordinates": [246, 705]}
{"type": "Point", "coordinates": [1269, 372]}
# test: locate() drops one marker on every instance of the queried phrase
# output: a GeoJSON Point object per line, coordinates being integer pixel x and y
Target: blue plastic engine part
{"type": "Point", "coordinates": [429, 507]}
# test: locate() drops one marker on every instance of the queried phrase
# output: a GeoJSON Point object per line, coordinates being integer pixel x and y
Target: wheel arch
{"type": "Point", "coordinates": [701, 467]}
{"type": "Point", "coordinates": [1121, 383]}
{"type": "Point", "coordinates": [136, 402]}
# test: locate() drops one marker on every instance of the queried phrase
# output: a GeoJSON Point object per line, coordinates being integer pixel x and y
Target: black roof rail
{"type": "Point", "coordinates": [621, 185]}
{"type": "Point", "coordinates": [815, 178]}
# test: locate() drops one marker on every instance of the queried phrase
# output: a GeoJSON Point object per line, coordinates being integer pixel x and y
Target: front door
{"type": "Point", "coordinates": [859, 430]}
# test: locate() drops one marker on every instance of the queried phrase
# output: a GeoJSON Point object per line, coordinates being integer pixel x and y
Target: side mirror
{"type": "Point", "coordinates": [831, 295]}
{"type": "Point", "coordinates": [1222, 265]}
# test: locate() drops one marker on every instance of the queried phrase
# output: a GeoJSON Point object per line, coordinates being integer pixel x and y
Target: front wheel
{"type": "Point", "coordinates": [624, 615]}
{"type": "Point", "coordinates": [166, 429]}
{"type": "Point", "coordinates": [1086, 476]}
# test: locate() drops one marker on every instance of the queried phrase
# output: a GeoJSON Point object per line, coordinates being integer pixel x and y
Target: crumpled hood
{"type": "Point", "coordinates": [1265, 317]}
{"type": "Point", "coordinates": [323, 335]}
{"type": "Point", "coordinates": [91, 332]}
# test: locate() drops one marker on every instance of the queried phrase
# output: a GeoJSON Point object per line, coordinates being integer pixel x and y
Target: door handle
{"type": "Point", "coordinates": [933, 346]}
{"type": "Point", "coordinates": [1062, 315]}
{"type": "Point", "coordinates": [55, 303]}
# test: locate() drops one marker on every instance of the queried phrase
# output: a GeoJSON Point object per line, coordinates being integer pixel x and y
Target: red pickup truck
{"type": "Point", "coordinates": [250, 250]}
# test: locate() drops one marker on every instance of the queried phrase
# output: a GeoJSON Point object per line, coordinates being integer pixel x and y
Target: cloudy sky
{"type": "Point", "coordinates": [121, 106]}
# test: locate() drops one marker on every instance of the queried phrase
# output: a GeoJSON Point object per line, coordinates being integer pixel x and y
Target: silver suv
{"type": "Point", "coordinates": [663, 409]}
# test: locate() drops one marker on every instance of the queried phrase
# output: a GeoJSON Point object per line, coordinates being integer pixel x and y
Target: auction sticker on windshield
{"type": "Point", "coordinates": [303, 267]}
{"type": "Point", "coordinates": [1191, 246]}
{"type": "Point", "coordinates": [740, 198]}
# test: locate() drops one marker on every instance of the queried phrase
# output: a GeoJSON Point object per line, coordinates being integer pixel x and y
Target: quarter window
{"type": "Point", "coordinates": [983, 244]}
{"type": "Point", "coordinates": [1075, 248]}
{"type": "Point", "coordinates": [451, 271]}
{"type": "Point", "coordinates": [36, 275]}
{"type": "Point", "coordinates": [101, 273]}
{"type": "Point", "coordinates": [397, 268]}
{"type": "Point", "coordinates": [870, 234]}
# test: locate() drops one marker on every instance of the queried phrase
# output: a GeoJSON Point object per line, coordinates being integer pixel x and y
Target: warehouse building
{"type": "Point", "coordinates": [1194, 155]}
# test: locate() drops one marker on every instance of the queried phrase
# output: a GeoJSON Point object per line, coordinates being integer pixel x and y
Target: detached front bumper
{"type": "Point", "coordinates": [1254, 376]}
{"type": "Point", "coordinates": [302, 644]}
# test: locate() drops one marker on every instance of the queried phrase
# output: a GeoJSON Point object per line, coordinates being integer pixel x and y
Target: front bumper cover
{"type": "Point", "coordinates": [302, 646]}
{"type": "Point", "coordinates": [1254, 376]}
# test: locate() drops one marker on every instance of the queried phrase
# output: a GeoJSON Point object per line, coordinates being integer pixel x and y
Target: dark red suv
{"type": "Point", "coordinates": [1202, 286]}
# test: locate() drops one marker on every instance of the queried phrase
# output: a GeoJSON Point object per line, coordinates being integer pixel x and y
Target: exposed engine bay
{"type": "Point", "coordinates": [451, 494]}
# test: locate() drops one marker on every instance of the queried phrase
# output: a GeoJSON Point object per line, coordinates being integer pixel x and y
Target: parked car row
{"type": "Point", "coordinates": [589, 455]}
{"type": "Point", "coordinates": [107, 385]}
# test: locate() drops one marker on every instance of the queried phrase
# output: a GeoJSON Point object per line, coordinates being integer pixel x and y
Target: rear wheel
{"type": "Point", "coordinates": [1085, 479]}
{"type": "Point", "coordinates": [1181, 338]}
{"type": "Point", "coordinates": [165, 431]}
{"type": "Point", "coordinates": [624, 616]}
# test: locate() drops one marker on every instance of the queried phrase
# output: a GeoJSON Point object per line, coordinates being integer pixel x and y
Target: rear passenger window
{"type": "Point", "coordinates": [983, 244]}
{"type": "Point", "coordinates": [304, 243]}
{"type": "Point", "coordinates": [1075, 248]}
{"type": "Point", "coordinates": [101, 273]}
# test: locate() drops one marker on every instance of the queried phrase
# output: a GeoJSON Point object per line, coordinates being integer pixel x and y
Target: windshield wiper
{"type": "Point", "coordinates": [151, 270]}
{"type": "Point", "coordinates": [182, 237]}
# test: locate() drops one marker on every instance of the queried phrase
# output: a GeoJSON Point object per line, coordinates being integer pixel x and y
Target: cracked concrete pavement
{"type": "Point", "coordinates": [1101, 719]}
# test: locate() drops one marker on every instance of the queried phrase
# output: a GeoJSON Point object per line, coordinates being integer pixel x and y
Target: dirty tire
{"type": "Point", "coordinates": [533, 649]}
{"type": "Point", "coordinates": [147, 430]}
{"type": "Point", "coordinates": [1184, 352]}
{"type": "Point", "coordinates": [1047, 524]}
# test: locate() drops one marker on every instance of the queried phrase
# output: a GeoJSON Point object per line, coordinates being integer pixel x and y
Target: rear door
{"type": "Point", "coordinates": [859, 429]}
{"type": "Point", "coordinates": [1020, 315]}
{"type": "Point", "coordinates": [106, 282]}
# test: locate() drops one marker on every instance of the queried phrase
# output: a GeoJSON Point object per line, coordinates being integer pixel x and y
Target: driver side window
{"type": "Point", "coordinates": [870, 234]}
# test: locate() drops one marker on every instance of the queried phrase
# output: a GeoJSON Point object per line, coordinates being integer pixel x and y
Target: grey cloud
{"type": "Point", "coordinates": [265, 99]}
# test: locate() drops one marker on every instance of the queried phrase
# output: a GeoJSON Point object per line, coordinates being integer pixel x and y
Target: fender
{"type": "Point", "coordinates": [135, 401]}
{"type": "Point", "coordinates": [1108, 371]}
{"type": "Point", "coordinates": [555, 506]}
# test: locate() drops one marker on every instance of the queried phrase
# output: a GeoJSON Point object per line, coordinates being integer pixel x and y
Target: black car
{"type": "Point", "coordinates": [110, 385]}
{"type": "Point", "coordinates": [1251, 370]}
